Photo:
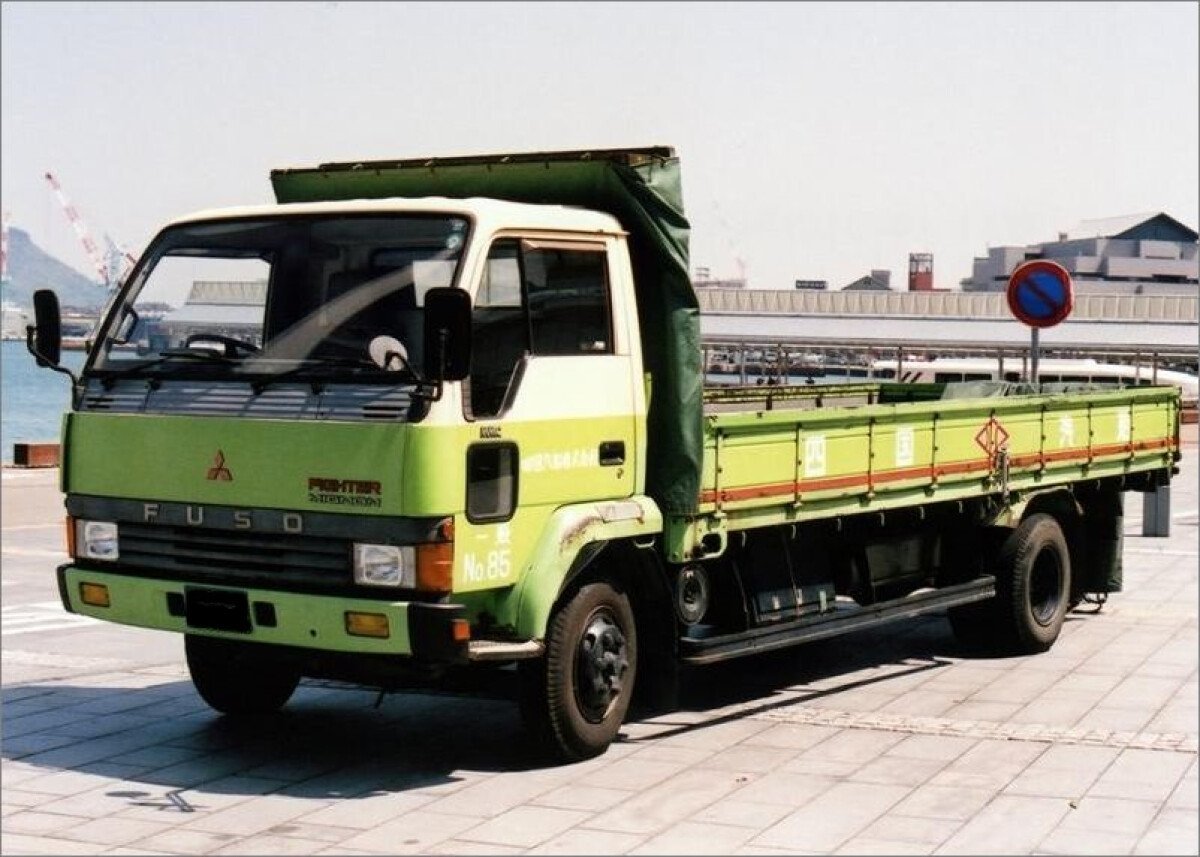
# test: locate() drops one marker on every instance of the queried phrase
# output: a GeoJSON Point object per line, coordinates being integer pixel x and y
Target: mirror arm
{"type": "Point", "coordinates": [439, 376]}
{"type": "Point", "coordinates": [42, 360]}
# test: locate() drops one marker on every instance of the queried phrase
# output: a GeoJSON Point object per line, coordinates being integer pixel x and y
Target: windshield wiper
{"type": "Point", "coordinates": [262, 382]}
{"type": "Point", "coordinates": [108, 376]}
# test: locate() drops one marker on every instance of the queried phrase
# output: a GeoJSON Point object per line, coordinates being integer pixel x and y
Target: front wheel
{"type": "Point", "coordinates": [575, 699]}
{"type": "Point", "coordinates": [237, 678]}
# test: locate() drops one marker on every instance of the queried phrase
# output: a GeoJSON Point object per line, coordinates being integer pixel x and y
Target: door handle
{"type": "Point", "coordinates": [612, 453]}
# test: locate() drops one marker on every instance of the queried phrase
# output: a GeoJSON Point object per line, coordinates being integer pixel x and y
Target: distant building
{"type": "Point", "coordinates": [719, 284]}
{"type": "Point", "coordinates": [230, 308]}
{"type": "Point", "coordinates": [878, 280]}
{"type": "Point", "coordinates": [920, 272]}
{"type": "Point", "coordinates": [1137, 254]}
{"type": "Point", "coordinates": [813, 285]}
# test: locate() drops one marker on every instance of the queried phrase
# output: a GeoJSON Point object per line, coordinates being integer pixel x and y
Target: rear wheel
{"type": "Point", "coordinates": [1034, 588]}
{"type": "Point", "coordinates": [576, 698]}
{"type": "Point", "coordinates": [1033, 585]}
{"type": "Point", "coordinates": [238, 678]}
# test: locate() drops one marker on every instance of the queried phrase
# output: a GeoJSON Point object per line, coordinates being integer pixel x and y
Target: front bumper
{"type": "Point", "coordinates": [416, 632]}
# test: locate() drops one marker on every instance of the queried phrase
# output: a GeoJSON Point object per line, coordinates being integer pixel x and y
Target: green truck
{"type": "Point", "coordinates": [430, 416]}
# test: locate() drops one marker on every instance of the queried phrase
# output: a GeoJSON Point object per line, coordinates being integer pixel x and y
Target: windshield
{"type": "Point", "coordinates": [297, 294]}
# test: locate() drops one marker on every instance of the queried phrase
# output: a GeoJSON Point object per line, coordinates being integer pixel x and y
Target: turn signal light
{"type": "Point", "coordinates": [367, 625]}
{"type": "Point", "coordinates": [435, 567]}
{"type": "Point", "coordinates": [94, 594]}
{"type": "Point", "coordinates": [460, 630]}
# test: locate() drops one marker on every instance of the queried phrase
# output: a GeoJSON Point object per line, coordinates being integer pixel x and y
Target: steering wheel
{"type": "Point", "coordinates": [232, 346]}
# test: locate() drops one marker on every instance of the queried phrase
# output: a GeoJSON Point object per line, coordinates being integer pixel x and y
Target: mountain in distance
{"type": "Point", "coordinates": [31, 268]}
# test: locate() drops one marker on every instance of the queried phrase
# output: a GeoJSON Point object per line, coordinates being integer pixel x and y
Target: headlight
{"type": "Point", "coordinates": [97, 540]}
{"type": "Point", "coordinates": [385, 565]}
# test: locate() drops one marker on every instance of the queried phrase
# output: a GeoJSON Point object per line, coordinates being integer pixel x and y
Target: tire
{"type": "Point", "coordinates": [237, 678]}
{"type": "Point", "coordinates": [576, 697]}
{"type": "Point", "coordinates": [1033, 585]}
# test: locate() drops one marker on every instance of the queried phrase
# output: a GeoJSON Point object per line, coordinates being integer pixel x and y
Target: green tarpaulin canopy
{"type": "Point", "coordinates": [641, 188]}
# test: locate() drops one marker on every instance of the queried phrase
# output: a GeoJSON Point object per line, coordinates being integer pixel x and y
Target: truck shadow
{"type": "Point", "coordinates": [164, 748]}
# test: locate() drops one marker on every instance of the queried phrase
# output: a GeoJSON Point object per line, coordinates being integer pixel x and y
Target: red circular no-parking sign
{"type": "Point", "coordinates": [1040, 293]}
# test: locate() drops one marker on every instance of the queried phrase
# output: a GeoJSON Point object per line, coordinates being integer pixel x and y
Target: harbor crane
{"type": "Point", "coordinates": [111, 266]}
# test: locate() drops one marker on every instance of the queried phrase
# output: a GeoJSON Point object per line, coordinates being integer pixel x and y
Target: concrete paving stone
{"type": "Point", "coordinates": [365, 812]}
{"type": "Point", "coordinates": [193, 772]}
{"type": "Point", "coordinates": [494, 795]}
{"type": "Point", "coordinates": [788, 736]}
{"type": "Point", "coordinates": [896, 827]}
{"type": "Point", "coordinates": [1087, 842]}
{"type": "Point", "coordinates": [101, 725]}
{"type": "Point", "coordinates": [1141, 692]}
{"type": "Point", "coordinates": [633, 773]}
{"type": "Point", "coordinates": [742, 813]}
{"type": "Point", "coordinates": [855, 745]}
{"type": "Point", "coordinates": [833, 817]}
{"type": "Point", "coordinates": [134, 851]}
{"type": "Point", "coordinates": [413, 833]}
{"type": "Point", "coordinates": [157, 756]}
{"type": "Point", "coordinates": [945, 748]}
{"type": "Point", "coordinates": [1010, 824]}
{"type": "Point", "coordinates": [32, 745]}
{"type": "Point", "coordinates": [762, 851]}
{"type": "Point", "coordinates": [692, 837]}
{"type": "Point", "coordinates": [17, 798]}
{"type": "Point", "coordinates": [13, 771]}
{"type": "Point", "coordinates": [582, 797]}
{"type": "Point", "coordinates": [252, 816]}
{"type": "Point", "coordinates": [813, 766]}
{"type": "Point", "coordinates": [1116, 719]}
{"type": "Point", "coordinates": [655, 809]}
{"type": "Point", "coordinates": [1066, 771]}
{"type": "Point", "coordinates": [1084, 683]}
{"type": "Point", "coordinates": [750, 759]}
{"type": "Point", "coordinates": [315, 832]}
{"type": "Point", "coordinates": [268, 844]}
{"type": "Point", "coordinates": [1142, 775]}
{"type": "Point", "coordinates": [1059, 709]}
{"type": "Point", "coordinates": [37, 822]}
{"type": "Point", "coordinates": [1186, 795]}
{"type": "Point", "coordinates": [1175, 718]}
{"type": "Point", "coordinates": [583, 841]}
{"type": "Point", "coordinates": [992, 712]}
{"type": "Point", "coordinates": [112, 831]}
{"type": "Point", "coordinates": [898, 771]}
{"type": "Point", "coordinates": [872, 845]}
{"type": "Point", "coordinates": [1174, 831]}
{"type": "Point", "coordinates": [62, 783]}
{"type": "Point", "coordinates": [40, 721]}
{"type": "Point", "coordinates": [781, 788]}
{"type": "Point", "coordinates": [20, 843]}
{"type": "Point", "coordinates": [525, 826]}
{"type": "Point", "coordinates": [81, 753]}
{"type": "Point", "coordinates": [948, 803]}
{"type": "Point", "coordinates": [180, 840]}
{"type": "Point", "coordinates": [990, 765]}
{"type": "Point", "coordinates": [1111, 815]}
{"type": "Point", "coordinates": [459, 846]}
{"type": "Point", "coordinates": [151, 802]}
{"type": "Point", "coordinates": [923, 704]}
{"type": "Point", "coordinates": [659, 753]}
{"type": "Point", "coordinates": [718, 736]}
{"type": "Point", "coordinates": [1018, 686]}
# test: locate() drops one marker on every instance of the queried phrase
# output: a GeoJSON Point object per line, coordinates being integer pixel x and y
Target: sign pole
{"type": "Point", "coordinates": [1033, 355]}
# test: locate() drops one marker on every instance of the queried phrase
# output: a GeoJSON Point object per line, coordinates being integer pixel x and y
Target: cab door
{"type": "Point", "coordinates": [551, 400]}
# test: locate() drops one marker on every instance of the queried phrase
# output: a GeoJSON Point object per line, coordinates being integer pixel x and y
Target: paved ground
{"type": "Point", "coordinates": [891, 741]}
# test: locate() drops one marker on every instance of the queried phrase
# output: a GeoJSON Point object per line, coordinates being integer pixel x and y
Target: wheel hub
{"type": "Point", "coordinates": [600, 666]}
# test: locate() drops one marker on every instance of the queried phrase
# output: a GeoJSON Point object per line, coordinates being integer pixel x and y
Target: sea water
{"type": "Point", "coordinates": [32, 398]}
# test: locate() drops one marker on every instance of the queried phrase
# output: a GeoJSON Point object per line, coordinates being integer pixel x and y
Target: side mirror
{"type": "Point", "coordinates": [447, 334]}
{"type": "Point", "coordinates": [45, 340]}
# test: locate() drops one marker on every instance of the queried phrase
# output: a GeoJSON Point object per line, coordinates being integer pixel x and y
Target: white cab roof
{"type": "Point", "coordinates": [489, 214]}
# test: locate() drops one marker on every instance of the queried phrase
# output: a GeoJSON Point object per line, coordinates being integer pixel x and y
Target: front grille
{"type": "Point", "coordinates": [236, 557]}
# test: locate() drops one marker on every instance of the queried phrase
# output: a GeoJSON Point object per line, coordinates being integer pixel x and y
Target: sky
{"type": "Point", "coordinates": [817, 141]}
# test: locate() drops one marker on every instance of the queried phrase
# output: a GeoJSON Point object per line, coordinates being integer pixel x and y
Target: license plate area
{"type": "Point", "coordinates": [217, 610]}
